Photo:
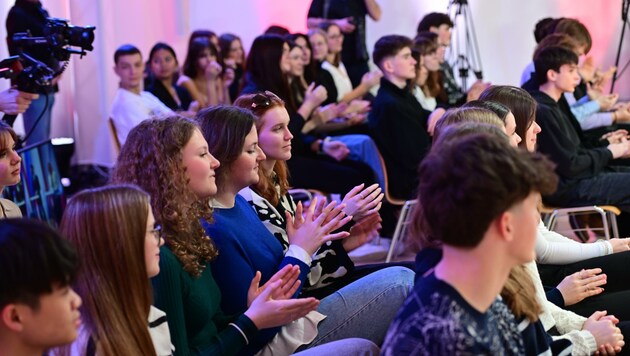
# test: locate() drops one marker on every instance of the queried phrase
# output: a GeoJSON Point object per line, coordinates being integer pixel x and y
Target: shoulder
{"type": "Point", "coordinates": [10, 208]}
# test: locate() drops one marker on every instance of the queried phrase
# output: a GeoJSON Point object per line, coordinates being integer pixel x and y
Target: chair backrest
{"type": "Point", "coordinates": [401, 226]}
{"type": "Point", "coordinates": [114, 135]}
{"type": "Point", "coordinates": [388, 197]}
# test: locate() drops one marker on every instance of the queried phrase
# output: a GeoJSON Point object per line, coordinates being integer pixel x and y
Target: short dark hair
{"type": "Point", "coordinates": [33, 258]}
{"type": "Point", "coordinates": [552, 58]}
{"type": "Point", "coordinates": [389, 46]}
{"type": "Point", "coordinates": [434, 19]}
{"type": "Point", "coordinates": [543, 28]}
{"type": "Point", "coordinates": [490, 176]}
{"type": "Point", "coordinates": [125, 50]}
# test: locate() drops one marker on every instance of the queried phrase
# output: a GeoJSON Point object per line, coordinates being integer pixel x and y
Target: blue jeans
{"type": "Point", "coordinates": [362, 148]}
{"type": "Point", "coordinates": [365, 308]}
{"type": "Point", "coordinates": [41, 131]}
{"type": "Point", "coordinates": [346, 347]}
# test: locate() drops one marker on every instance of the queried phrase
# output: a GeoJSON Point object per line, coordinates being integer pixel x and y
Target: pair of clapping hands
{"type": "Point", "coordinates": [315, 227]}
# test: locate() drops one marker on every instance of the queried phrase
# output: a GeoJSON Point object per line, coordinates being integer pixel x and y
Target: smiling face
{"type": "Point", "coordinates": [152, 243]}
{"type": "Point", "coordinates": [244, 170]}
{"type": "Point", "coordinates": [163, 64]}
{"type": "Point", "coordinates": [335, 39]}
{"type": "Point", "coordinates": [9, 162]}
{"type": "Point", "coordinates": [296, 62]}
{"type": "Point", "coordinates": [319, 45]}
{"type": "Point", "coordinates": [306, 50]}
{"type": "Point", "coordinates": [200, 166]}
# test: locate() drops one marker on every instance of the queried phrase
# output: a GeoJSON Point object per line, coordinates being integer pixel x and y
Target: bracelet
{"type": "Point", "coordinates": [241, 331]}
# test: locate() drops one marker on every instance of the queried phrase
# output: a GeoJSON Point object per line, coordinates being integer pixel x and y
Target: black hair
{"type": "Point", "coordinates": [552, 58]}
{"type": "Point", "coordinates": [125, 50]}
{"type": "Point", "coordinates": [543, 28]}
{"type": "Point", "coordinates": [33, 258]}
{"type": "Point", "coordinates": [434, 19]}
{"type": "Point", "coordinates": [389, 46]}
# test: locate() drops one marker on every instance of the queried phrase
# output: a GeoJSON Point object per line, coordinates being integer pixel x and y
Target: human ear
{"type": "Point", "coordinates": [10, 317]}
{"type": "Point", "coordinates": [387, 65]}
{"type": "Point", "coordinates": [551, 75]}
{"type": "Point", "coordinates": [504, 226]}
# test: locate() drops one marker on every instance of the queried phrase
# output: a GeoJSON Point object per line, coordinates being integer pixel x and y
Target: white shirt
{"type": "Point", "coordinates": [427, 102]}
{"type": "Point", "coordinates": [340, 77]}
{"type": "Point", "coordinates": [129, 109]}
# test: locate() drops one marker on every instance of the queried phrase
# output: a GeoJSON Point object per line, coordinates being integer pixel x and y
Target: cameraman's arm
{"type": "Point", "coordinates": [13, 101]}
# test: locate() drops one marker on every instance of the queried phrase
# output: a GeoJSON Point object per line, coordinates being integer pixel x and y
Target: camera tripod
{"type": "Point", "coordinates": [624, 19]}
{"type": "Point", "coordinates": [467, 48]}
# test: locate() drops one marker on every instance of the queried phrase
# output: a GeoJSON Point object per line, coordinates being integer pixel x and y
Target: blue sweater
{"type": "Point", "coordinates": [245, 246]}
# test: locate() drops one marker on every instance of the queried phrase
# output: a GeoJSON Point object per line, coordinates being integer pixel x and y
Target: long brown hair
{"type": "Point", "coordinates": [151, 158]}
{"type": "Point", "coordinates": [520, 103]}
{"type": "Point", "coordinates": [259, 104]}
{"type": "Point", "coordinates": [425, 44]}
{"type": "Point", "coordinates": [519, 294]}
{"type": "Point", "coordinates": [108, 227]}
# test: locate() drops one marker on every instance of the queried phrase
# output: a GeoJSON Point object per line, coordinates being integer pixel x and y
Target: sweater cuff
{"type": "Point", "coordinates": [296, 251]}
{"type": "Point", "coordinates": [554, 296]}
{"type": "Point", "coordinates": [246, 328]}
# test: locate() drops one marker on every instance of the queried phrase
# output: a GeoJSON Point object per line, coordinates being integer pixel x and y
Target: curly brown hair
{"type": "Point", "coordinates": [151, 158]}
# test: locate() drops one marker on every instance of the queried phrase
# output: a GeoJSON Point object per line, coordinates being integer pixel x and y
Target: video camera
{"type": "Point", "coordinates": [60, 38]}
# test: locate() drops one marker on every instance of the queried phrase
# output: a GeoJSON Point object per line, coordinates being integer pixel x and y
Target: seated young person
{"type": "Point", "coordinates": [331, 266]}
{"type": "Point", "coordinates": [38, 308]}
{"type": "Point", "coordinates": [426, 86]}
{"type": "Point", "coordinates": [131, 104]}
{"type": "Point", "coordinates": [397, 121]}
{"type": "Point", "coordinates": [247, 246]}
{"type": "Point", "coordinates": [202, 74]}
{"type": "Point", "coordinates": [10, 163]}
{"type": "Point", "coordinates": [162, 68]}
{"type": "Point", "coordinates": [587, 175]}
{"type": "Point", "coordinates": [447, 312]}
{"type": "Point", "coordinates": [117, 222]}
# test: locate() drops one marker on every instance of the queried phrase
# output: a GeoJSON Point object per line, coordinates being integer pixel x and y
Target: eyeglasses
{"type": "Point", "coordinates": [260, 101]}
{"type": "Point", "coordinates": [157, 233]}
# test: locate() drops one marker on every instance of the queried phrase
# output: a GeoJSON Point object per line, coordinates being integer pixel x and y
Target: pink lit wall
{"type": "Point", "coordinates": [504, 29]}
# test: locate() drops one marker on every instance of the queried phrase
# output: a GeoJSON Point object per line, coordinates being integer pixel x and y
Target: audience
{"type": "Point", "coordinates": [10, 165]}
{"type": "Point", "coordinates": [197, 247]}
{"type": "Point", "coordinates": [131, 104]}
{"type": "Point", "coordinates": [587, 175]}
{"type": "Point", "coordinates": [246, 246]}
{"type": "Point", "coordinates": [39, 310]}
{"type": "Point", "coordinates": [494, 198]}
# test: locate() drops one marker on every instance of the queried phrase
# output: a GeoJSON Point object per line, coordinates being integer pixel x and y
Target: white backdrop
{"type": "Point", "coordinates": [504, 29]}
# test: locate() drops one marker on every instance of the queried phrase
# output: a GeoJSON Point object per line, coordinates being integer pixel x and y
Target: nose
{"type": "Point", "coordinates": [537, 128]}
{"type": "Point", "coordinates": [214, 163]}
{"type": "Point", "coordinates": [261, 155]}
{"type": "Point", "coordinates": [77, 301]}
{"type": "Point", "coordinates": [288, 135]}
{"type": "Point", "coordinates": [15, 158]}
{"type": "Point", "coordinates": [518, 138]}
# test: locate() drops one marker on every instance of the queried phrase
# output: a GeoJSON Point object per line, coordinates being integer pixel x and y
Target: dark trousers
{"type": "Point", "coordinates": [616, 296]}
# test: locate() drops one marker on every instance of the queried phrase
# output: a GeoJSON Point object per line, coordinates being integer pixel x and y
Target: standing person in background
{"type": "Point", "coordinates": [29, 15]}
{"type": "Point", "coordinates": [349, 15]}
